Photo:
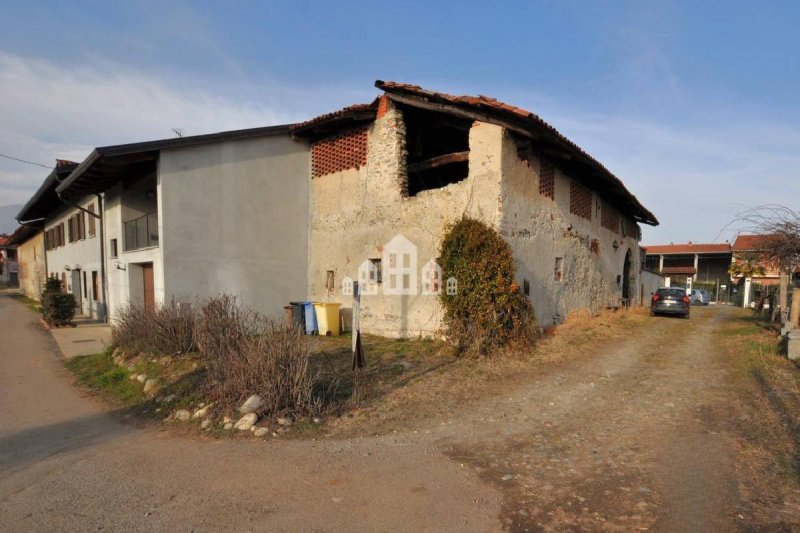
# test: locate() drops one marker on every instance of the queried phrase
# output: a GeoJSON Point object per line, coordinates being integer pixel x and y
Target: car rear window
{"type": "Point", "coordinates": [674, 293]}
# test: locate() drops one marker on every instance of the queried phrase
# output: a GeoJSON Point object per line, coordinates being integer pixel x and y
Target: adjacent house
{"type": "Point", "coordinates": [693, 264]}
{"type": "Point", "coordinates": [8, 262]}
{"type": "Point", "coordinates": [414, 161]}
{"type": "Point", "coordinates": [197, 216]}
{"type": "Point", "coordinates": [29, 242]}
{"type": "Point", "coordinates": [73, 246]}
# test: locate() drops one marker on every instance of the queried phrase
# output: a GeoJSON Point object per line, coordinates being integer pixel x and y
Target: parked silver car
{"type": "Point", "coordinates": [670, 301]}
{"type": "Point", "coordinates": [700, 297]}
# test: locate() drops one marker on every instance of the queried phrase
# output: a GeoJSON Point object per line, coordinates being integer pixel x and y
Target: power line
{"type": "Point", "coordinates": [23, 161]}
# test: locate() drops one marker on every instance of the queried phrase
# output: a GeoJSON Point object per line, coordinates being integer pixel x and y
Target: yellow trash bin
{"type": "Point", "coordinates": [327, 318]}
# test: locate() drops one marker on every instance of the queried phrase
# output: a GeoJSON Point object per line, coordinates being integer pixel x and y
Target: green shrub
{"type": "Point", "coordinates": [58, 308]}
{"type": "Point", "coordinates": [488, 310]}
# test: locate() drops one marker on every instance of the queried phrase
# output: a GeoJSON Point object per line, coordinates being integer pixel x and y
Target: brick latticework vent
{"type": "Point", "coordinates": [343, 151]}
{"type": "Point", "coordinates": [609, 218]}
{"type": "Point", "coordinates": [632, 229]}
{"type": "Point", "coordinates": [547, 180]}
{"type": "Point", "coordinates": [580, 200]}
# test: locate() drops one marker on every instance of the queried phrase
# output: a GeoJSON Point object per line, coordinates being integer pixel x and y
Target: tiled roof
{"type": "Point", "coordinates": [351, 111]}
{"type": "Point", "coordinates": [679, 270]}
{"type": "Point", "coordinates": [3, 240]}
{"type": "Point", "coordinates": [749, 243]}
{"type": "Point", "coordinates": [689, 248]}
{"type": "Point", "coordinates": [527, 121]}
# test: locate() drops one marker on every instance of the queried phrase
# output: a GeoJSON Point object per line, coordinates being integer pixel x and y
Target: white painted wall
{"type": "Point", "coordinates": [83, 254]}
{"type": "Point", "coordinates": [234, 220]}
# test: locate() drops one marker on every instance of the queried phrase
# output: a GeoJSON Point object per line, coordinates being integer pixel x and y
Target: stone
{"type": "Point", "coordinates": [317, 420]}
{"type": "Point", "coordinates": [119, 360]}
{"type": "Point", "coordinates": [206, 424]}
{"type": "Point", "coordinates": [251, 405]}
{"type": "Point", "coordinates": [246, 422]}
{"type": "Point", "coordinates": [284, 422]}
{"type": "Point", "coordinates": [793, 345]}
{"type": "Point", "coordinates": [183, 415]}
{"type": "Point", "coordinates": [141, 378]}
{"type": "Point", "coordinates": [228, 426]}
{"type": "Point", "coordinates": [150, 386]}
{"type": "Point", "coordinates": [132, 377]}
{"type": "Point", "coordinates": [170, 398]}
{"type": "Point", "coordinates": [200, 413]}
{"type": "Point", "coordinates": [227, 420]}
{"type": "Point", "coordinates": [261, 432]}
{"type": "Point", "coordinates": [507, 477]}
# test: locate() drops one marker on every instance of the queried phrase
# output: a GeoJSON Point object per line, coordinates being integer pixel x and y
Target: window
{"type": "Point", "coordinates": [437, 148]}
{"type": "Point", "coordinates": [378, 271]}
{"type": "Point", "coordinates": [580, 200]}
{"type": "Point", "coordinates": [558, 274]}
{"type": "Point", "coordinates": [92, 222]}
{"type": "Point", "coordinates": [85, 286]}
{"type": "Point", "coordinates": [112, 248]}
{"type": "Point", "coordinates": [547, 179]}
{"type": "Point", "coordinates": [141, 232]}
{"type": "Point", "coordinates": [95, 286]}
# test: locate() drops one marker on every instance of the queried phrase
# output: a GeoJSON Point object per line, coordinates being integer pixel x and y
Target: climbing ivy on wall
{"type": "Point", "coordinates": [488, 310]}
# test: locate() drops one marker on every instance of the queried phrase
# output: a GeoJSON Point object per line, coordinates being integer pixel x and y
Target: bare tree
{"type": "Point", "coordinates": [779, 245]}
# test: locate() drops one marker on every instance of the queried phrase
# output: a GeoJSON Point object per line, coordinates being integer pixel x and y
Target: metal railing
{"type": "Point", "coordinates": [141, 232]}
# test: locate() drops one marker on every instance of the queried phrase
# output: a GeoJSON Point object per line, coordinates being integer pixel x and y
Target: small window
{"type": "Point", "coordinates": [112, 248]}
{"type": "Point", "coordinates": [378, 272]}
{"type": "Point", "coordinates": [85, 287]}
{"type": "Point", "coordinates": [92, 226]}
{"type": "Point", "coordinates": [559, 269]}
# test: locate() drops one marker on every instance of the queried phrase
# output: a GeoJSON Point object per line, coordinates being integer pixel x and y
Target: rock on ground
{"type": "Point", "coordinates": [261, 432]}
{"type": "Point", "coordinates": [150, 386]}
{"type": "Point", "coordinates": [183, 415]}
{"type": "Point", "coordinates": [251, 405]}
{"type": "Point", "coordinates": [246, 422]}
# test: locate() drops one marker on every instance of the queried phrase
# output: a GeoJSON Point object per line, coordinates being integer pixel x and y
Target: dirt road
{"type": "Point", "coordinates": [629, 437]}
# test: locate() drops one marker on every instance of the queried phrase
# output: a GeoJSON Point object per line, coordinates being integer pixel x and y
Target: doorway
{"type": "Point", "coordinates": [76, 290]}
{"type": "Point", "coordinates": [148, 286]}
{"type": "Point", "coordinates": [626, 276]}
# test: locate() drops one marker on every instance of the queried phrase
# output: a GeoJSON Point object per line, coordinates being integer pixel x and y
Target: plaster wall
{"type": "Point", "coordinates": [650, 283]}
{"type": "Point", "coordinates": [83, 255]}
{"type": "Point", "coordinates": [32, 273]}
{"type": "Point", "coordinates": [355, 213]}
{"type": "Point", "coordinates": [121, 268]}
{"type": "Point", "coordinates": [540, 230]}
{"type": "Point", "coordinates": [234, 219]}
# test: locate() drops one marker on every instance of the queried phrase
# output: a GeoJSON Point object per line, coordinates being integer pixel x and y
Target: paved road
{"type": "Point", "coordinates": [66, 464]}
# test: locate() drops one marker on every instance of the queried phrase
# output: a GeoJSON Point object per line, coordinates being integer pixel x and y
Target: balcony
{"type": "Point", "coordinates": [141, 232]}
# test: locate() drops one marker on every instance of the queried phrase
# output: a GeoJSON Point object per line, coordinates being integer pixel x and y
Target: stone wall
{"type": "Point", "coordinates": [355, 212]}
{"type": "Point", "coordinates": [541, 229]}
{"type": "Point", "coordinates": [32, 273]}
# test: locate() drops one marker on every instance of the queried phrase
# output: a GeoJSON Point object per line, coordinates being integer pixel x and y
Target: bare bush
{"type": "Point", "coordinates": [248, 354]}
{"type": "Point", "coordinates": [169, 329]}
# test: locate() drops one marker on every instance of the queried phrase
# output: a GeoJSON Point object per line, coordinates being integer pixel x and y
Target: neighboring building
{"type": "Point", "coordinates": [8, 262]}
{"type": "Point", "coordinates": [691, 263]}
{"type": "Point", "coordinates": [198, 216]}
{"type": "Point", "coordinates": [29, 241]}
{"type": "Point", "coordinates": [72, 240]}
{"type": "Point", "coordinates": [415, 161]}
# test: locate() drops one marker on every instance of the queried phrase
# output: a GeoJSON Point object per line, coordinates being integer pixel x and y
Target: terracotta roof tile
{"type": "Point", "coordinates": [689, 248]}
{"type": "Point", "coordinates": [749, 243]}
{"type": "Point", "coordinates": [679, 270]}
{"type": "Point", "coordinates": [486, 104]}
{"type": "Point", "coordinates": [345, 112]}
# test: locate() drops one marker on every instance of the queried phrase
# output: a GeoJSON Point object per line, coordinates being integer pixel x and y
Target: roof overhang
{"type": "Point", "coordinates": [108, 165]}
{"type": "Point", "coordinates": [552, 144]}
{"type": "Point", "coordinates": [45, 199]}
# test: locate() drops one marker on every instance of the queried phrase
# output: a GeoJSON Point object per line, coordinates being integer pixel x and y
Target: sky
{"type": "Point", "coordinates": [694, 105]}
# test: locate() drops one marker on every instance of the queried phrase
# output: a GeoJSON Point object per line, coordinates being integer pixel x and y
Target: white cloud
{"type": "Point", "coordinates": [52, 111]}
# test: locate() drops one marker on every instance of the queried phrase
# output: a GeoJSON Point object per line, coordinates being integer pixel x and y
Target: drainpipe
{"type": "Point", "coordinates": [44, 254]}
{"type": "Point", "coordinates": [101, 210]}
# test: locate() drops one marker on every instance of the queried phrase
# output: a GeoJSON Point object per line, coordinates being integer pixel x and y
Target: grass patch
{"type": "Point", "coordinates": [767, 420]}
{"type": "Point", "coordinates": [99, 373]}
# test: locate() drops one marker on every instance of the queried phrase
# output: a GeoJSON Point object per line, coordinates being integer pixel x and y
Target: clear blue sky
{"type": "Point", "coordinates": [694, 105]}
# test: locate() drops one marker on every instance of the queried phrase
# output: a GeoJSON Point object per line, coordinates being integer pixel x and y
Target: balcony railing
{"type": "Point", "coordinates": [141, 232]}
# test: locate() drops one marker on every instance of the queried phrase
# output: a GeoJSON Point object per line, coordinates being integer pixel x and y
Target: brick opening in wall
{"type": "Point", "coordinates": [580, 200]}
{"type": "Point", "coordinates": [609, 218]}
{"type": "Point", "coordinates": [340, 152]}
{"type": "Point", "coordinates": [437, 149]}
{"type": "Point", "coordinates": [547, 179]}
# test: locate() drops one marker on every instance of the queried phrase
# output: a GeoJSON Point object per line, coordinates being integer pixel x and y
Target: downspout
{"type": "Point", "coordinates": [100, 209]}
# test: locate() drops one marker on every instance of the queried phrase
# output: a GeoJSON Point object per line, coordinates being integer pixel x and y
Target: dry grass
{"type": "Point", "coordinates": [168, 330]}
{"type": "Point", "coordinates": [432, 381]}
{"type": "Point", "coordinates": [767, 420]}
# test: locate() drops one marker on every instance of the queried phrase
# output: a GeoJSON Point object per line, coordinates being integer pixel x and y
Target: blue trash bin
{"type": "Point", "coordinates": [311, 319]}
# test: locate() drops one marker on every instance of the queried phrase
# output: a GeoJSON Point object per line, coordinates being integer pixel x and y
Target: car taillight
{"type": "Point", "coordinates": [686, 299]}
{"type": "Point", "coordinates": [656, 297]}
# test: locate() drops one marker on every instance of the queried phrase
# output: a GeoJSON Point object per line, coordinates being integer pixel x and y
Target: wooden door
{"type": "Point", "coordinates": [149, 287]}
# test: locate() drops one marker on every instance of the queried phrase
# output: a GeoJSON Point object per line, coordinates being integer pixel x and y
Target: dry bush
{"type": "Point", "coordinates": [247, 354]}
{"type": "Point", "coordinates": [169, 330]}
